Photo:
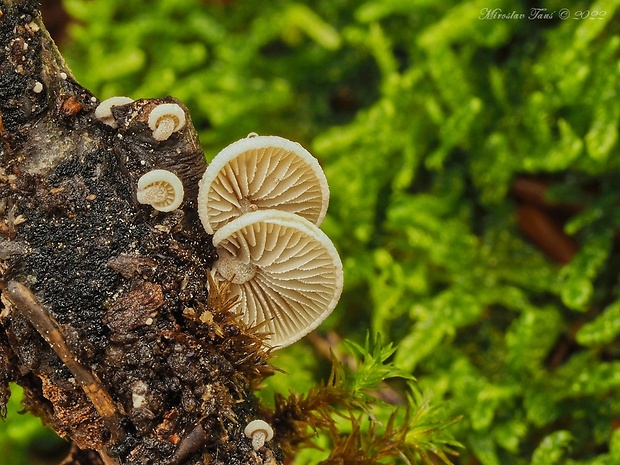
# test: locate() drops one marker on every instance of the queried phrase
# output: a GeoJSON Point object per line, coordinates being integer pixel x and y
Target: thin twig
{"type": "Point", "coordinates": [26, 303]}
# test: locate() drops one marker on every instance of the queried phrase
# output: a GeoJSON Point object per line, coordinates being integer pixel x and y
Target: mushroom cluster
{"type": "Point", "coordinates": [263, 198]}
{"type": "Point", "coordinates": [160, 188]}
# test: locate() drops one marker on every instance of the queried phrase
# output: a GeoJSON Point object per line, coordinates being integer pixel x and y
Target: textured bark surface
{"type": "Point", "coordinates": [106, 318]}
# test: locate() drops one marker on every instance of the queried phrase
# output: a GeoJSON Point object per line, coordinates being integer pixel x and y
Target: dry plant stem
{"type": "Point", "coordinates": [107, 460]}
{"type": "Point", "coordinates": [26, 303]}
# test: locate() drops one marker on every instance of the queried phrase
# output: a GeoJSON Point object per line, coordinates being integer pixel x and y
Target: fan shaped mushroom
{"type": "Point", "coordinates": [285, 270]}
{"type": "Point", "coordinates": [259, 173]}
{"type": "Point", "coordinates": [161, 189]}
{"type": "Point", "coordinates": [103, 112]}
{"type": "Point", "coordinates": [165, 119]}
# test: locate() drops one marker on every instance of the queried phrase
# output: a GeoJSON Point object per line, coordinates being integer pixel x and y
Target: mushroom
{"type": "Point", "coordinates": [258, 173]}
{"type": "Point", "coordinates": [284, 269]}
{"type": "Point", "coordinates": [103, 112]}
{"type": "Point", "coordinates": [165, 119]}
{"type": "Point", "coordinates": [161, 189]}
{"type": "Point", "coordinates": [258, 431]}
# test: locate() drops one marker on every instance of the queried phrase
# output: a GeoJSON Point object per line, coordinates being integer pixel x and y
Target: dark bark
{"type": "Point", "coordinates": [106, 318]}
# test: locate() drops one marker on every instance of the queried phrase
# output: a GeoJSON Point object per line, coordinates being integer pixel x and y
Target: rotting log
{"type": "Point", "coordinates": [106, 319]}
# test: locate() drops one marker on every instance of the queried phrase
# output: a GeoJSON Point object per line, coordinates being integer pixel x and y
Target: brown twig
{"type": "Point", "coordinates": [26, 303]}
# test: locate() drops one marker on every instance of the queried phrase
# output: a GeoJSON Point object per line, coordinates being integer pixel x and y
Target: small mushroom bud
{"type": "Point", "coordinates": [161, 189]}
{"type": "Point", "coordinates": [104, 111]}
{"type": "Point", "coordinates": [165, 119]}
{"type": "Point", "coordinates": [259, 431]}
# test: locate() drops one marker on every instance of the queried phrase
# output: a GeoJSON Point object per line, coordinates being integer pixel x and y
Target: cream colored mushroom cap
{"type": "Point", "coordinates": [259, 173]}
{"type": "Point", "coordinates": [285, 270]}
{"type": "Point", "coordinates": [103, 112]}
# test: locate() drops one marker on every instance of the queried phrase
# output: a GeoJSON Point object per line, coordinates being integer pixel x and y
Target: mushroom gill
{"type": "Point", "coordinates": [285, 270]}
{"type": "Point", "coordinates": [259, 173]}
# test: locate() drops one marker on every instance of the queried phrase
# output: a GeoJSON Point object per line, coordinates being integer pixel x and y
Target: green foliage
{"type": "Point", "coordinates": [372, 365]}
{"type": "Point", "coordinates": [355, 426]}
{"type": "Point", "coordinates": [423, 116]}
{"type": "Point", "coordinates": [20, 432]}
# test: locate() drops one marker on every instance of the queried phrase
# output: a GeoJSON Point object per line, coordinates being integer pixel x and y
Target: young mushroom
{"type": "Point", "coordinates": [285, 271]}
{"type": "Point", "coordinates": [258, 173]}
{"type": "Point", "coordinates": [161, 189]}
{"type": "Point", "coordinates": [103, 112]}
{"type": "Point", "coordinates": [165, 119]}
{"type": "Point", "coordinates": [258, 431]}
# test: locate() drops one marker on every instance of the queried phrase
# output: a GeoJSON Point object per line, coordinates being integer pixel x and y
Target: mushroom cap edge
{"type": "Point", "coordinates": [255, 142]}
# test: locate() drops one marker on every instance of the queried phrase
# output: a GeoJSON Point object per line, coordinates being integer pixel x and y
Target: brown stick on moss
{"type": "Point", "coordinates": [103, 297]}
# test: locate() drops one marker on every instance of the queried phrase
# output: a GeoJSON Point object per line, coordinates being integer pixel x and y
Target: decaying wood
{"type": "Point", "coordinates": [106, 319]}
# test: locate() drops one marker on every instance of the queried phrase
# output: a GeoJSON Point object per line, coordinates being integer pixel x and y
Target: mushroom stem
{"type": "Point", "coordinates": [247, 206]}
{"type": "Point", "coordinates": [165, 128]}
{"type": "Point", "coordinates": [232, 269]}
{"type": "Point", "coordinates": [258, 439]}
{"type": "Point", "coordinates": [165, 119]}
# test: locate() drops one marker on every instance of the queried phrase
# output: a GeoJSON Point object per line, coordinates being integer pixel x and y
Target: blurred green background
{"type": "Point", "coordinates": [474, 166]}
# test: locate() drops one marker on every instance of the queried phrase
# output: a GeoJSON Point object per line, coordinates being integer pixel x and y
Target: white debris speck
{"type": "Point", "coordinates": [137, 400]}
{"type": "Point", "coordinates": [138, 394]}
{"type": "Point", "coordinates": [38, 87]}
{"type": "Point", "coordinates": [63, 76]}
{"type": "Point", "coordinates": [32, 26]}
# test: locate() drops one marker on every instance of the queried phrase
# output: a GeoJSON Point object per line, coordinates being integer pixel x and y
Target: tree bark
{"type": "Point", "coordinates": [106, 317]}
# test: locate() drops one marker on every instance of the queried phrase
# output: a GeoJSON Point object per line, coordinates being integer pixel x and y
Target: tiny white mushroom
{"type": "Point", "coordinates": [161, 189]}
{"type": "Point", "coordinates": [258, 173]}
{"type": "Point", "coordinates": [165, 119]}
{"type": "Point", "coordinates": [285, 271]}
{"type": "Point", "coordinates": [103, 112]}
{"type": "Point", "coordinates": [258, 431]}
